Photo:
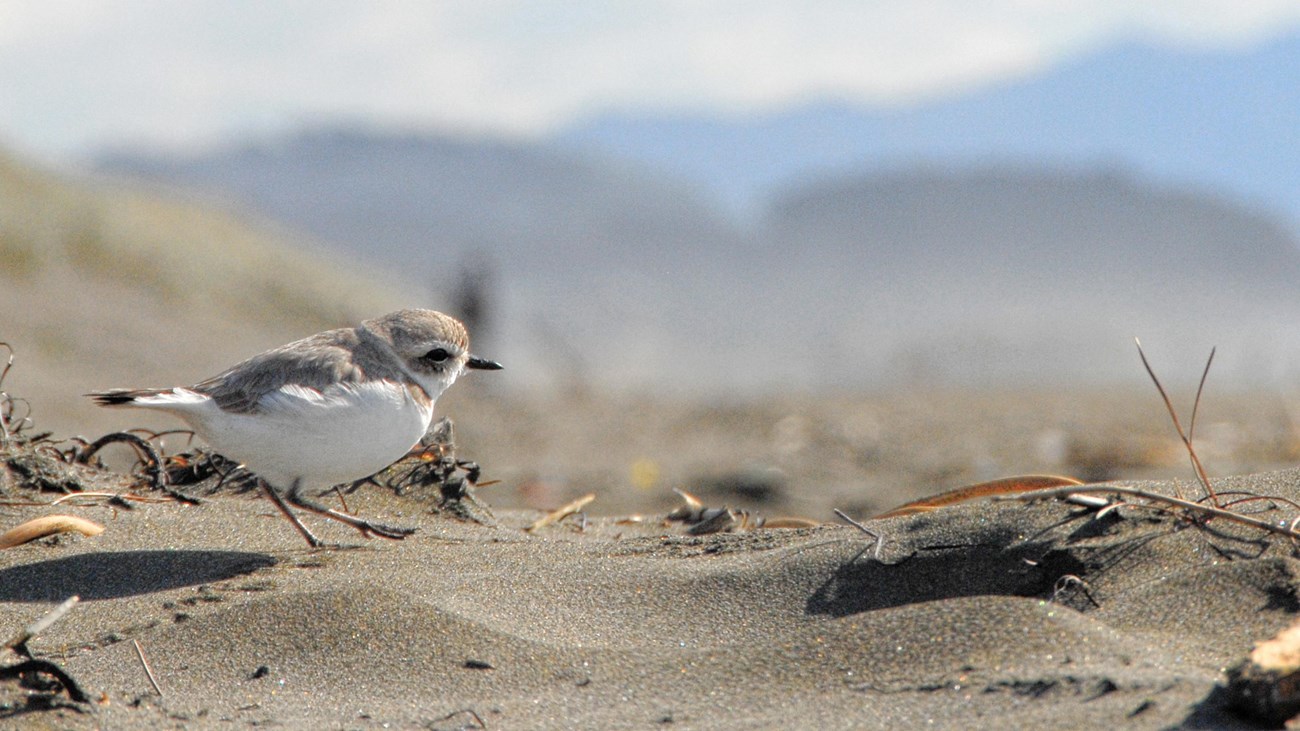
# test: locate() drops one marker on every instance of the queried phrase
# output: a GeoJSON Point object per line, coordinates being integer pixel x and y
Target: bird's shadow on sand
{"type": "Point", "coordinates": [112, 575]}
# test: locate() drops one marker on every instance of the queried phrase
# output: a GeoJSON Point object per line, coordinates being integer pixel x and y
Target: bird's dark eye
{"type": "Point", "coordinates": [437, 355]}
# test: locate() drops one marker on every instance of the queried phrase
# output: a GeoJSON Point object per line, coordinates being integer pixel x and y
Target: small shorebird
{"type": "Point", "coordinates": [332, 408]}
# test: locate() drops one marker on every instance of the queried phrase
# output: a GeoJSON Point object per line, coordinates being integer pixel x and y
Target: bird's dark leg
{"type": "Point", "coordinates": [312, 540]}
{"type": "Point", "coordinates": [366, 527]}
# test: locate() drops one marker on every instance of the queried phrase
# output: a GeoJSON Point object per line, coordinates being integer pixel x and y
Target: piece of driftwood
{"type": "Point", "coordinates": [47, 526]}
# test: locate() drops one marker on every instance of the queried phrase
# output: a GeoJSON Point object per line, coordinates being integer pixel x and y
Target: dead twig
{"type": "Point", "coordinates": [155, 436]}
{"type": "Point", "coordinates": [27, 667]}
{"type": "Point", "coordinates": [19, 642]}
{"type": "Point", "coordinates": [338, 490]}
{"type": "Point", "coordinates": [1250, 497]}
{"type": "Point", "coordinates": [1200, 387]}
{"type": "Point", "coordinates": [31, 665]}
{"type": "Point", "coordinates": [6, 406]}
{"type": "Point", "coordinates": [147, 453]}
{"type": "Point", "coordinates": [1201, 476]}
{"type": "Point", "coordinates": [11, 423]}
{"type": "Point", "coordinates": [110, 496]}
{"type": "Point", "coordinates": [879, 538]}
{"type": "Point", "coordinates": [1005, 486]}
{"type": "Point", "coordinates": [562, 512]}
{"type": "Point", "coordinates": [1160, 500]}
{"type": "Point", "coordinates": [1066, 583]}
{"type": "Point", "coordinates": [472, 714]}
{"type": "Point", "coordinates": [148, 671]}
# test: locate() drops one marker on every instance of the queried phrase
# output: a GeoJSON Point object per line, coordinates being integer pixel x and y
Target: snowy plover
{"type": "Point", "coordinates": [332, 408]}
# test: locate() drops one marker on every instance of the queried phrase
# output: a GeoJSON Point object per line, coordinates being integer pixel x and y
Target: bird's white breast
{"type": "Point", "coordinates": [340, 434]}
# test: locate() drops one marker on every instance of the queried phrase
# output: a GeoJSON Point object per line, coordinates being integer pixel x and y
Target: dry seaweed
{"type": "Point", "coordinates": [30, 669]}
{"type": "Point", "coordinates": [432, 468]}
{"type": "Point", "coordinates": [701, 520]}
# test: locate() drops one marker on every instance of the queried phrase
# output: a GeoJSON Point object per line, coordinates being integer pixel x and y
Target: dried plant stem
{"type": "Point", "coordinates": [562, 512]}
{"type": "Point", "coordinates": [1201, 476]}
{"type": "Point", "coordinates": [879, 538]}
{"type": "Point", "coordinates": [1155, 497]}
{"type": "Point", "coordinates": [26, 667]}
{"type": "Point", "coordinates": [19, 641]}
{"type": "Point", "coordinates": [4, 421]}
{"type": "Point", "coordinates": [148, 671]}
{"type": "Point", "coordinates": [1191, 428]}
{"type": "Point", "coordinates": [80, 494]}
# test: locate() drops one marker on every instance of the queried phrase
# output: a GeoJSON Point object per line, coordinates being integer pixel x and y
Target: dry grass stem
{"type": "Point", "coordinates": [1005, 486]}
{"type": "Point", "coordinates": [1160, 500]}
{"type": "Point", "coordinates": [148, 671]}
{"type": "Point", "coordinates": [1200, 388]}
{"type": "Point", "coordinates": [1201, 476]}
{"type": "Point", "coordinates": [562, 512]}
{"type": "Point", "coordinates": [108, 496]}
{"type": "Point", "coordinates": [4, 397]}
{"type": "Point", "coordinates": [471, 713]}
{"type": "Point", "coordinates": [20, 640]}
{"type": "Point", "coordinates": [879, 538]}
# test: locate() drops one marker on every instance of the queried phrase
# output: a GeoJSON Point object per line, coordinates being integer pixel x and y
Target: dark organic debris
{"type": "Point", "coordinates": [193, 468]}
{"type": "Point", "coordinates": [43, 470]}
{"type": "Point", "coordinates": [29, 671]}
{"type": "Point", "coordinates": [148, 456]}
{"type": "Point", "coordinates": [434, 465]}
{"type": "Point", "coordinates": [702, 521]}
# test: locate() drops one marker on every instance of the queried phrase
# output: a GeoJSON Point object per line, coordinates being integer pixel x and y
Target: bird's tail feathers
{"type": "Point", "coordinates": [129, 396]}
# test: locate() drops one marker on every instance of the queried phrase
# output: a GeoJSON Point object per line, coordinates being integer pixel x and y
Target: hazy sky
{"type": "Point", "coordinates": [76, 74]}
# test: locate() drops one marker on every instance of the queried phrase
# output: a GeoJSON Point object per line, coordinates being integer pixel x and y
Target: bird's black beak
{"type": "Point", "coordinates": [482, 364]}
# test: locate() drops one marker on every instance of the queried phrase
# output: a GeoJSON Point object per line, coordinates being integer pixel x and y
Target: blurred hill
{"type": "Point", "coordinates": [1222, 120]}
{"type": "Point", "coordinates": [608, 276]}
{"type": "Point", "coordinates": [104, 285]}
{"type": "Point", "coordinates": [430, 201]}
{"type": "Point", "coordinates": [588, 262]}
{"type": "Point", "coordinates": [1026, 272]}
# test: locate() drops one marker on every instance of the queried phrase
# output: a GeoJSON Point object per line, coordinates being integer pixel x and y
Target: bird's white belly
{"type": "Point", "coordinates": [324, 439]}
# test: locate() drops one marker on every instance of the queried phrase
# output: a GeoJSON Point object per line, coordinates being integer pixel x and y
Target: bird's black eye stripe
{"type": "Point", "coordinates": [437, 355]}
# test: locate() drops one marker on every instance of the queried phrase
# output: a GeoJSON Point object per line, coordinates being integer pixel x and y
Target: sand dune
{"type": "Point", "coordinates": [964, 620]}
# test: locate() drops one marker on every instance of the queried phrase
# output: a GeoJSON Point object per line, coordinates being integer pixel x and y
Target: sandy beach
{"type": "Point", "coordinates": [983, 615]}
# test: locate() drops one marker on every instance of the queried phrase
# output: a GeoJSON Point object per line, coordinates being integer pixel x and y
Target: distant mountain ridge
{"type": "Point", "coordinates": [427, 199]}
{"type": "Point", "coordinates": [607, 275]}
{"type": "Point", "coordinates": [1041, 223]}
{"type": "Point", "coordinates": [1220, 120]}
